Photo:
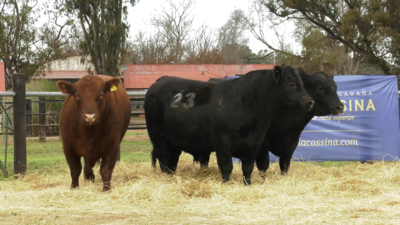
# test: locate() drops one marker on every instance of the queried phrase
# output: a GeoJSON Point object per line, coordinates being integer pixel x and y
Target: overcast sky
{"type": "Point", "coordinates": [213, 13]}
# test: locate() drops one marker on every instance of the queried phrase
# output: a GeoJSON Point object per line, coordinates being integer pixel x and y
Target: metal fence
{"type": "Point", "coordinates": [39, 107]}
{"type": "Point", "coordinates": [43, 113]}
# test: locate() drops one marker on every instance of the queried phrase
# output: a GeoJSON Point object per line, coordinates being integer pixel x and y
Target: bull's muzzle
{"type": "Point", "coordinates": [339, 110]}
{"type": "Point", "coordinates": [90, 118]}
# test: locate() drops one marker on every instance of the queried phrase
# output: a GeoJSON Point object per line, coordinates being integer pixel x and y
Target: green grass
{"type": "Point", "coordinates": [135, 151]}
{"type": "Point", "coordinates": [135, 133]}
{"type": "Point", "coordinates": [48, 157]}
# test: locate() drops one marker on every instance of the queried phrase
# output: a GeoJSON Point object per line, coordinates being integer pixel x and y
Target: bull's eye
{"type": "Point", "coordinates": [292, 85]}
{"type": "Point", "coordinates": [101, 96]}
{"type": "Point", "coordinates": [77, 96]}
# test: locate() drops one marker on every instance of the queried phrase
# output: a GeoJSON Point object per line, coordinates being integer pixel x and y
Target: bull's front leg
{"type": "Point", "coordinates": [284, 164]}
{"type": "Point", "coordinates": [262, 159]}
{"type": "Point", "coordinates": [108, 162]}
{"type": "Point", "coordinates": [75, 166]}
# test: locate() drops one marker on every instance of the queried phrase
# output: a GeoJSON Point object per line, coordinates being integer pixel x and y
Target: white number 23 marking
{"type": "Point", "coordinates": [178, 97]}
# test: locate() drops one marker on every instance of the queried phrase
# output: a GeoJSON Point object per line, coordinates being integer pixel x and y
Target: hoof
{"type": "Point", "coordinates": [263, 175]}
{"type": "Point", "coordinates": [74, 187]}
{"type": "Point", "coordinates": [246, 182]}
{"type": "Point", "coordinates": [89, 177]}
{"type": "Point", "coordinates": [106, 188]}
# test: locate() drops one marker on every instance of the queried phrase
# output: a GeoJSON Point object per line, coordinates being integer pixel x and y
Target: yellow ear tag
{"type": "Point", "coordinates": [113, 88]}
{"type": "Point", "coordinates": [63, 86]}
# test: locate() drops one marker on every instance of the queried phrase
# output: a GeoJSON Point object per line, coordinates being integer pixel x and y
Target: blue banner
{"type": "Point", "coordinates": [368, 129]}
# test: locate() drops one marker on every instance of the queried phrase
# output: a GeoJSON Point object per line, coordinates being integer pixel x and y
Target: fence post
{"type": "Point", "coordinates": [19, 124]}
{"type": "Point", "coordinates": [42, 119]}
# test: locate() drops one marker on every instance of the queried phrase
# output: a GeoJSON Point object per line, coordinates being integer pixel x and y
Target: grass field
{"type": "Point", "coordinates": [312, 192]}
{"type": "Point", "coordinates": [49, 156]}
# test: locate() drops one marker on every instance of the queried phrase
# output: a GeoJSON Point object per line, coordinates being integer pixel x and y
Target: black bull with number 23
{"type": "Point", "coordinates": [230, 117]}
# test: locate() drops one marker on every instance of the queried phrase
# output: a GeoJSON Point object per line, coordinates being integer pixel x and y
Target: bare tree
{"type": "Point", "coordinates": [268, 30]}
{"type": "Point", "coordinates": [173, 26]}
{"type": "Point", "coordinates": [345, 64]}
{"type": "Point", "coordinates": [176, 41]}
{"type": "Point", "coordinates": [57, 38]}
{"type": "Point", "coordinates": [231, 38]}
{"type": "Point", "coordinates": [202, 47]}
{"type": "Point", "coordinates": [147, 50]}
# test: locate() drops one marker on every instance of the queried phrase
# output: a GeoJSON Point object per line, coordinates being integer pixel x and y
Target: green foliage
{"type": "Point", "coordinates": [105, 30]}
{"type": "Point", "coordinates": [25, 47]}
{"type": "Point", "coordinates": [369, 28]}
{"type": "Point", "coordinates": [16, 38]}
{"type": "Point", "coordinates": [42, 85]}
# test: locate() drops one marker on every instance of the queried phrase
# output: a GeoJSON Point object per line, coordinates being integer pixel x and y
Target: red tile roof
{"type": "Point", "coordinates": [143, 76]}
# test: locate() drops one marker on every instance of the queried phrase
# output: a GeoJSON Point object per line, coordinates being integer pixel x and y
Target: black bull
{"type": "Point", "coordinates": [230, 117]}
{"type": "Point", "coordinates": [283, 135]}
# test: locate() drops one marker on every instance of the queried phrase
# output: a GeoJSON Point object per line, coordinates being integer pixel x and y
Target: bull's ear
{"type": "Point", "coordinates": [277, 74]}
{"type": "Point", "coordinates": [302, 73]}
{"type": "Point", "coordinates": [66, 87]}
{"type": "Point", "coordinates": [112, 84]}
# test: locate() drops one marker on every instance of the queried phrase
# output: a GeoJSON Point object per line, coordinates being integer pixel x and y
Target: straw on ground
{"type": "Point", "coordinates": [312, 193]}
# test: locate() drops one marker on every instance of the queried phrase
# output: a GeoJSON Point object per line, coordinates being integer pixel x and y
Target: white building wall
{"type": "Point", "coordinates": [70, 63]}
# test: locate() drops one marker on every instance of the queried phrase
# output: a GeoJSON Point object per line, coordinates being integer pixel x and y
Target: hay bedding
{"type": "Point", "coordinates": [311, 194]}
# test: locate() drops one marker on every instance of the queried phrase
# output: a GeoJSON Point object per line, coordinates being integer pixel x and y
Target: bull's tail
{"type": "Point", "coordinates": [153, 159]}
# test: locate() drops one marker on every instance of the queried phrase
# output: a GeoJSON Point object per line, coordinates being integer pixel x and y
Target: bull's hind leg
{"type": "Point", "coordinates": [167, 155]}
{"type": "Point", "coordinates": [284, 164]}
{"type": "Point", "coordinates": [224, 158]}
{"type": "Point", "coordinates": [247, 168]}
{"type": "Point", "coordinates": [75, 167]}
{"type": "Point", "coordinates": [204, 160]}
{"type": "Point", "coordinates": [262, 162]}
{"type": "Point", "coordinates": [88, 170]}
{"type": "Point", "coordinates": [262, 159]}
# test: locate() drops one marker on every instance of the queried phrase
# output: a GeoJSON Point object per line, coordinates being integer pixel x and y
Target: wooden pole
{"type": "Point", "coordinates": [19, 124]}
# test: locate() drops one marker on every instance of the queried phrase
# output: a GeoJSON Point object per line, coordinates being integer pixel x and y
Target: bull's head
{"type": "Point", "coordinates": [293, 93]}
{"type": "Point", "coordinates": [90, 94]}
{"type": "Point", "coordinates": [322, 88]}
